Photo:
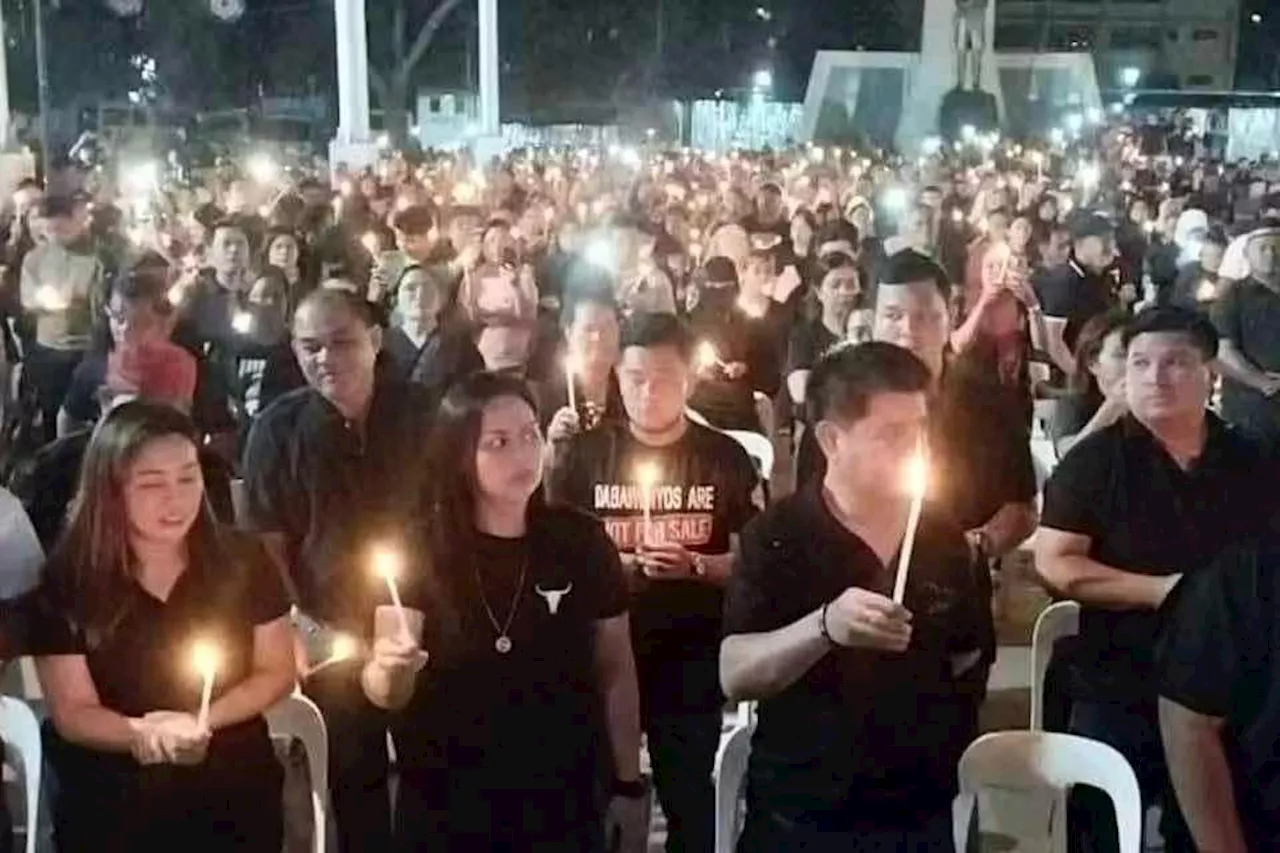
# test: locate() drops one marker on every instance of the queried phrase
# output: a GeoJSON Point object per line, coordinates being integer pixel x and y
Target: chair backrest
{"type": "Point", "coordinates": [1055, 622]}
{"type": "Point", "coordinates": [1035, 761]}
{"type": "Point", "coordinates": [238, 500]}
{"type": "Point", "coordinates": [696, 416]}
{"type": "Point", "coordinates": [296, 716]}
{"type": "Point", "coordinates": [20, 731]}
{"type": "Point", "coordinates": [729, 773]}
{"type": "Point", "coordinates": [758, 447]}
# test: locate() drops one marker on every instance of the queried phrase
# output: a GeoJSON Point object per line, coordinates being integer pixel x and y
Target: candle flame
{"type": "Point", "coordinates": [50, 299]}
{"type": "Point", "coordinates": [206, 658]}
{"type": "Point", "coordinates": [386, 563]}
{"type": "Point", "coordinates": [648, 474]}
{"type": "Point", "coordinates": [345, 647]}
{"type": "Point", "coordinates": [242, 322]}
{"type": "Point", "coordinates": [371, 243]}
{"type": "Point", "coordinates": [917, 475]}
{"type": "Point", "coordinates": [707, 356]}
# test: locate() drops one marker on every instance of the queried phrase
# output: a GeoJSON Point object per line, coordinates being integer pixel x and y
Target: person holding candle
{"type": "Point", "coordinates": [425, 345]}
{"type": "Point", "coordinates": [673, 496]}
{"type": "Point", "coordinates": [529, 688]}
{"type": "Point", "coordinates": [864, 710]}
{"type": "Point", "coordinates": [587, 393]}
{"type": "Point", "coordinates": [143, 575]}
{"type": "Point", "coordinates": [331, 469]}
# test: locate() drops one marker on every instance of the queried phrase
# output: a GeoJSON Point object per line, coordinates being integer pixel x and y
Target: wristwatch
{"type": "Point", "coordinates": [635, 789]}
{"type": "Point", "coordinates": [700, 565]}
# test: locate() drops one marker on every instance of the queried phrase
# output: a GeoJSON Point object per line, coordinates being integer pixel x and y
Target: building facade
{"type": "Point", "coordinates": [1192, 42]}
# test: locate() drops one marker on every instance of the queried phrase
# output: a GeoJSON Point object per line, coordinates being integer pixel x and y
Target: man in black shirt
{"type": "Point", "coordinates": [1219, 667]}
{"type": "Point", "coordinates": [1079, 290]}
{"type": "Point", "coordinates": [838, 292]}
{"type": "Point", "coordinates": [698, 486]}
{"type": "Point", "coordinates": [1248, 318]}
{"type": "Point", "coordinates": [863, 707]}
{"type": "Point", "coordinates": [1127, 512]}
{"type": "Point", "coordinates": [330, 471]}
{"type": "Point", "coordinates": [425, 346]}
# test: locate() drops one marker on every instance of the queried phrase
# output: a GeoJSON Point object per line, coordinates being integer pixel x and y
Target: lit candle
{"type": "Point", "coordinates": [207, 659]}
{"type": "Point", "coordinates": [570, 371]}
{"type": "Point", "coordinates": [706, 357]}
{"type": "Point", "coordinates": [371, 243]}
{"type": "Point", "coordinates": [386, 565]}
{"type": "Point", "coordinates": [647, 475]}
{"type": "Point", "coordinates": [242, 322]}
{"type": "Point", "coordinates": [343, 647]}
{"type": "Point", "coordinates": [917, 482]}
{"type": "Point", "coordinates": [49, 299]}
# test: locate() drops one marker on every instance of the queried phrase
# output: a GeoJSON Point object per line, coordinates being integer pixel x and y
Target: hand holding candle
{"type": "Point", "coordinates": [207, 659]}
{"type": "Point", "coordinates": [706, 357]}
{"type": "Point", "coordinates": [570, 380]}
{"type": "Point", "coordinates": [917, 482]}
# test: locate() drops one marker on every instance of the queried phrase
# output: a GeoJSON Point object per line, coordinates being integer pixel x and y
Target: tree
{"type": "Point", "coordinates": [392, 83]}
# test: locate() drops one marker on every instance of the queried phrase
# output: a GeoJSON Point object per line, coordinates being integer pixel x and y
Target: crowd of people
{"type": "Point", "coordinates": [458, 453]}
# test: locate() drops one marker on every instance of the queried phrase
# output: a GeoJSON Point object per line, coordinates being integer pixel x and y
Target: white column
{"type": "Point", "coordinates": [5, 126]}
{"type": "Point", "coordinates": [489, 141]}
{"type": "Point", "coordinates": [354, 144]}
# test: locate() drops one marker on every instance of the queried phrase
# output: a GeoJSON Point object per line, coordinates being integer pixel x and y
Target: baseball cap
{"type": "Point", "coordinates": [1089, 224]}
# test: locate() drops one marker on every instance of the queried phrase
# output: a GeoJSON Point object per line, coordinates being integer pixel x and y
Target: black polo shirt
{"type": "Point", "coordinates": [447, 355]}
{"type": "Point", "coordinates": [864, 739]}
{"type": "Point", "coordinates": [1248, 315]}
{"type": "Point", "coordinates": [703, 498]}
{"type": "Point", "coordinates": [1144, 514]}
{"type": "Point", "coordinates": [1221, 658]}
{"type": "Point", "coordinates": [520, 732]}
{"type": "Point", "coordinates": [1068, 292]}
{"type": "Point", "coordinates": [333, 492]}
{"type": "Point", "coordinates": [143, 664]}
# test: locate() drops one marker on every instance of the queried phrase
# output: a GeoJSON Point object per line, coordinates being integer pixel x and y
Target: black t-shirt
{"type": "Point", "coordinates": [553, 395]}
{"type": "Point", "coordinates": [704, 496]}
{"type": "Point", "coordinates": [1069, 293]}
{"type": "Point", "coordinates": [332, 491]}
{"type": "Point", "coordinates": [527, 723]}
{"type": "Point", "coordinates": [809, 340]}
{"type": "Point", "coordinates": [1146, 515]}
{"type": "Point", "coordinates": [143, 664]}
{"type": "Point", "coordinates": [1221, 657]}
{"type": "Point", "coordinates": [864, 739]}
{"type": "Point", "coordinates": [757, 343]}
{"type": "Point", "coordinates": [1248, 315]}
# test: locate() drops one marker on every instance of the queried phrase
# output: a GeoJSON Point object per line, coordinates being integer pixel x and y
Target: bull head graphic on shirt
{"type": "Point", "coordinates": [553, 597]}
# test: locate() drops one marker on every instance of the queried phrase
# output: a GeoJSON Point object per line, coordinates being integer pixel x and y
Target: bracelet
{"type": "Point", "coordinates": [822, 627]}
{"type": "Point", "coordinates": [630, 790]}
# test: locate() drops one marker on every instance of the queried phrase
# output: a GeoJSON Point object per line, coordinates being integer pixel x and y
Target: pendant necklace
{"type": "Point", "coordinates": [503, 642]}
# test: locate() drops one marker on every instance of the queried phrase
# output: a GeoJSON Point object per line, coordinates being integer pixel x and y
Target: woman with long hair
{"type": "Point", "coordinates": [142, 579]}
{"type": "Point", "coordinates": [529, 692]}
{"type": "Point", "coordinates": [1097, 396]}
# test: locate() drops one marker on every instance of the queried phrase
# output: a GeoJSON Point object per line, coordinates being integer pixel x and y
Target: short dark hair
{"type": "Point", "coordinates": [842, 383]}
{"type": "Point", "coordinates": [909, 266]}
{"type": "Point", "coordinates": [650, 331]}
{"type": "Point", "coordinates": [721, 269]}
{"type": "Point", "coordinates": [1174, 319]}
{"type": "Point", "coordinates": [415, 219]}
{"type": "Point", "coordinates": [840, 230]}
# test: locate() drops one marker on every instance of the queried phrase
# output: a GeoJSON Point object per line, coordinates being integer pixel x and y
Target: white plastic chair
{"type": "Point", "coordinates": [296, 716]}
{"type": "Point", "coordinates": [239, 500]}
{"type": "Point", "coordinates": [758, 447]}
{"type": "Point", "coordinates": [1055, 622]}
{"type": "Point", "coordinates": [20, 731]}
{"type": "Point", "coordinates": [1035, 761]}
{"type": "Point", "coordinates": [729, 773]}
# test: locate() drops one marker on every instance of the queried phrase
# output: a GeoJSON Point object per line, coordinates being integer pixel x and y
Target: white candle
{"type": "Point", "coordinates": [647, 475]}
{"type": "Point", "coordinates": [206, 659]}
{"type": "Point", "coordinates": [917, 483]}
{"type": "Point", "coordinates": [386, 564]}
{"type": "Point", "coordinates": [569, 373]}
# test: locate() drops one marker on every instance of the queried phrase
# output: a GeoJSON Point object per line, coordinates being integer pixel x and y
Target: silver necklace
{"type": "Point", "coordinates": [503, 642]}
